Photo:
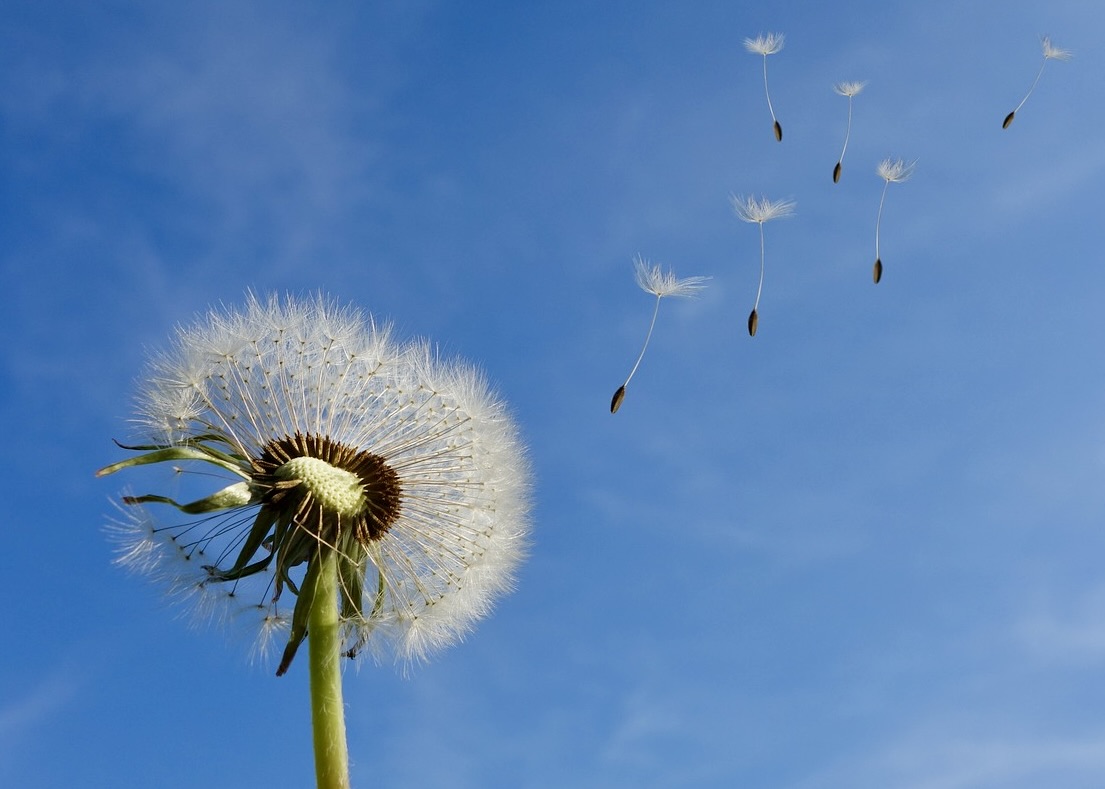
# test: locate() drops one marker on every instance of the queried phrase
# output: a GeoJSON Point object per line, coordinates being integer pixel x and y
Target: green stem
{"type": "Point", "coordinates": [327, 709]}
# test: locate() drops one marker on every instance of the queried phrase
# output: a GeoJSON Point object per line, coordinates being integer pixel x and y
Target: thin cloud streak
{"type": "Point", "coordinates": [33, 709]}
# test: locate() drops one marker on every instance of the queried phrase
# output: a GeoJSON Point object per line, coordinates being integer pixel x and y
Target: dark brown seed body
{"type": "Point", "coordinates": [1008, 119]}
{"type": "Point", "coordinates": [753, 320]}
{"type": "Point", "coordinates": [778, 131]}
{"type": "Point", "coordinates": [836, 172]}
{"type": "Point", "coordinates": [616, 403]}
{"type": "Point", "coordinates": [878, 270]}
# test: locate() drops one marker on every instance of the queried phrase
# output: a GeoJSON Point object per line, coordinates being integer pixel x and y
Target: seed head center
{"type": "Point", "coordinates": [330, 489]}
{"type": "Point", "coordinates": [335, 490]}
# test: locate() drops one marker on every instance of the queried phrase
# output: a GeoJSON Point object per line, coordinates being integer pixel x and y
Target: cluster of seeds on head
{"type": "Point", "coordinates": [329, 486]}
{"type": "Point", "coordinates": [401, 468]}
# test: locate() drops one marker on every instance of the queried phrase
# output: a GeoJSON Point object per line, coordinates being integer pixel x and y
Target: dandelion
{"type": "Point", "coordinates": [749, 209]}
{"type": "Point", "coordinates": [1050, 53]}
{"type": "Point", "coordinates": [382, 489]}
{"type": "Point", "coordinates": [767, 45]}
{"type": "Point", "coordinates": [849, 90]}
{"type": "Point", "coordinates": [892, 172]}
{"type": "Point", "coordinates": [652, 280]}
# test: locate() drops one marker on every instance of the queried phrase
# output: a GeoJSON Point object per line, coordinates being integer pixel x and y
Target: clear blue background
{"type": "Point", "coordinates": [863, 549]}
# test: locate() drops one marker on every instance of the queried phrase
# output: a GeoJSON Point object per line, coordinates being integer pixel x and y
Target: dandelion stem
{"type": "Point", "coordinates": [767, 92]}
{"type": "Point", "coordinates": [327, 709]}
{"type": "Point", "coordinates": [651, 326]}
{"type": "Point", "coordinates": [878, 221]}
{"type": "Point", "coordinates": [760, 287]}
{"type": "Point", "coordinates": [847, 133]}
{"type": "Point", "coordinates": [1035, 82]}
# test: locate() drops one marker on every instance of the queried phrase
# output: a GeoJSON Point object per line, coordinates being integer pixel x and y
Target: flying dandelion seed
{"type": "Point", "coordinates": [749, 209]}
{"type": "Point", "coordinates": [849, 90]}
{"type": "Point", "coordinates": [891, 171]}
{"type": "Point", "coordinates": [1050, 53]}
{"type": "Point", "coordinates": [767, 45]}
{"type": "Point", "coordinates": [652, 280]}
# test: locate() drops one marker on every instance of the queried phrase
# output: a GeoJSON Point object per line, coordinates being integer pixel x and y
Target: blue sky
{"type": "Point", "coordinates": [862, 549]}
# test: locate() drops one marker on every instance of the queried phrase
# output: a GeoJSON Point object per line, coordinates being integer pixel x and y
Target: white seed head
{"type": "Point", "coordinates": [1053, 52]}
{"type": "Point", "coordinates": [765, 44]}
{"type": "Point", "coordinates": [652, 279]}
{"type": "Point", "coordinates": [849, 89]}
{"type": "Point", "coordinates": [749, 209]}
{"type": "Point", "coordinates": [895, 170]}
{"type": "Point", "coordinates": [280, 374]}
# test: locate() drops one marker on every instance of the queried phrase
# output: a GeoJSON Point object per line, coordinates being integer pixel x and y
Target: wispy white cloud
{"type": "Point", "coordinates": [247, 113]}
{"type": "Point", "coordinates": [1070, 631]}
{"type": "Point", "coordinates": [1040, 182]}
{"type": "Point", "coordinates": [22, 714]}
{"type": "Point", "coordinates": [250, 128]}
{"type": "Point", "coordinates": [945, 757]}
{"type": "Point", "coordinates": [649, 717]}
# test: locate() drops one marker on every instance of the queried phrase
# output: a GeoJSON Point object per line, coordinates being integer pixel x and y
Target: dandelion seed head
{"type": "Point", "coordinates": [757, 211]}
{"type": "Point", "coordinates": [652, 279]}
{"type": "Point", "coordinates": [1052, 52]}
{"type": "Point", "coordinates": [765, 44]}
{"type": "Point", "coordinates": [849, 89]}
{"type": "Point", "coordinates": [895, 170]}
{"type": "Point", "coordinates": [334, 437]}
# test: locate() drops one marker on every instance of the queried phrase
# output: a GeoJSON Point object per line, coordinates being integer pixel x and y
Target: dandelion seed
{"type": "Point", "coordinates": [849, 90]}
{"type": "Point", "coordinates": [652, 279]}
{"type": "Point", "coordinates": [338, 443]}
{"type": "Point", "coordinates": [749, 209]}
{"type": "Point", "coordinates": [767, 45]}
{"type": "Point", "coordinates": [1050, 52]}
{"type": "Point", "coordinates": [891, 171]}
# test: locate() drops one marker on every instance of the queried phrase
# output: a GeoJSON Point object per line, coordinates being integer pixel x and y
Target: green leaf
{"type": "Point", "coordinates": [236, 495]}
{"type": "Point", "coordinates": [302, 612]}
{"type": "Point", "coordinates": [184, 452]}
